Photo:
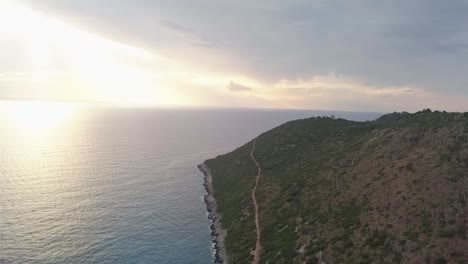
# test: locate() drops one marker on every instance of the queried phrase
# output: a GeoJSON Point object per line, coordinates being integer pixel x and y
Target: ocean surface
{"type": "Point", "coordinates": [89, 184]}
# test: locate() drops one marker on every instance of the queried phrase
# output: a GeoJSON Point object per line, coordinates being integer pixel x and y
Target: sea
{"type": "Point", "coordinates": [85, 183]}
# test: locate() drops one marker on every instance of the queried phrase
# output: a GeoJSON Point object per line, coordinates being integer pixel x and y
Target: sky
{"type": "Point", "coordinates": [358, 55]}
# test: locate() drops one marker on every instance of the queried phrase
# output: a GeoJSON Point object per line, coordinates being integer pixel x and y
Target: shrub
{"type": "Point", "coordinates": [440, 260]}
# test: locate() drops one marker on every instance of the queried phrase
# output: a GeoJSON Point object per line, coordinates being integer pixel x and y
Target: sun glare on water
{"type": "Point", "coordinates": [35, 119]}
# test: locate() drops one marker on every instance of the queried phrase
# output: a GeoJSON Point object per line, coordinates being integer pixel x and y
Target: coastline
{"type": "Point", "coordinates": [218, 234]}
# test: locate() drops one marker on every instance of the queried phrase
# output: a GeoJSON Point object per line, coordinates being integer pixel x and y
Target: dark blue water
{"type": "Point", "coordinates": [100, 185]}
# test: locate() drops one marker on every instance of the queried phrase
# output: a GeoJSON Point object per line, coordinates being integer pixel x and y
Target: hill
{"type": "Point", "coordinates": [393, 190]}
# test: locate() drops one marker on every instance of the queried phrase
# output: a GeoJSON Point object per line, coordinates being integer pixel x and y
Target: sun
{"type": "Point", "coordinates": [99, 69]}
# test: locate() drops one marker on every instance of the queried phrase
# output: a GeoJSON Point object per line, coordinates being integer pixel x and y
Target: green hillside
{"type": "Point", "coordinates": [392, 190]}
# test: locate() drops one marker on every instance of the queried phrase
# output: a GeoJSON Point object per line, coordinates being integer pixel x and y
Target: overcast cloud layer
{"type": "Point", "coordinates": [411, 52]}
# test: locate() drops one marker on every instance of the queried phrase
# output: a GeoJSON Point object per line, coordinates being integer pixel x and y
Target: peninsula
{"type": "Point", "coordinates": [326, 190]}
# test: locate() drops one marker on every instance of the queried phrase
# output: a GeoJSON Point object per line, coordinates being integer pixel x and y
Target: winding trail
{"type": "Point", "coordinates": [258, 246]}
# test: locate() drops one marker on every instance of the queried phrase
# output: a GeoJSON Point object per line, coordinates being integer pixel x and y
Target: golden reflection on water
{"type": "Point", "coordinates": [37, 120]}
{"type": "Point", "coordinates": [38, 137]}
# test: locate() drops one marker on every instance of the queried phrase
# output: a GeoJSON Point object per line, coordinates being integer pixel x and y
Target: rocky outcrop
{"type": "Point", "coordinates": [218, 233]}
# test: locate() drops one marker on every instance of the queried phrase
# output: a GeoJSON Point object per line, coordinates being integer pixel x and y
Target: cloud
{"type": "Point", "coordinates": [177, 27]}
{"type": "Point", "coordinates": [395, 43]}
{"type": "Point", "coordinates": [333, 93]}
{"type": "Point", "coordinates": [382, 48]}
{"type": "Point", "coordinates": [194, 37]}
{"type": "Point", "coordinates": [235, 87]}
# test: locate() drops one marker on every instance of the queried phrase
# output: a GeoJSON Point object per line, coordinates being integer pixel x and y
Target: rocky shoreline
{"type": "Point", "coordinates": [217, 232]}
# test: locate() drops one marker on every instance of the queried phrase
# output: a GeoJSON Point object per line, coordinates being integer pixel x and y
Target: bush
{"type": "Point", "coordinates": [313, 260]}
{"type": "Point", "coordinates": [447, 233]}
{"type": "Point", "coordinates": [440, 260]}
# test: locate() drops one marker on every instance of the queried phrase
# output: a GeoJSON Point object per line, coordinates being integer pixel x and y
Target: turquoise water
{"type": "Point", "coordinates": [88, 184]}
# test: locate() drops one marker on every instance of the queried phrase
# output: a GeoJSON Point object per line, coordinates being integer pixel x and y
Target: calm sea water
{"type": "Point", "coordinates": [83, 184]}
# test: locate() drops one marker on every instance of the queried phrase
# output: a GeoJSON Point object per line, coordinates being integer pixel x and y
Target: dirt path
{"type": "Point", "coordinates": [258, 247]}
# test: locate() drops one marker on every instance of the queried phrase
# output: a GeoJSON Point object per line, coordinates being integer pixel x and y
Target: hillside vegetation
{"type": "Point", "coordinates": [393, 190]}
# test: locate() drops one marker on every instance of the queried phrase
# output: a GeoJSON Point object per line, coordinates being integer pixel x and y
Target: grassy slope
{"type": "Point", "coordinates": [388, 191]}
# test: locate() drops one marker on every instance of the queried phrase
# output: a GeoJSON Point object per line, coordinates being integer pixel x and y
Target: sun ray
{"type": "Point", "coordinates": [101, 69]}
